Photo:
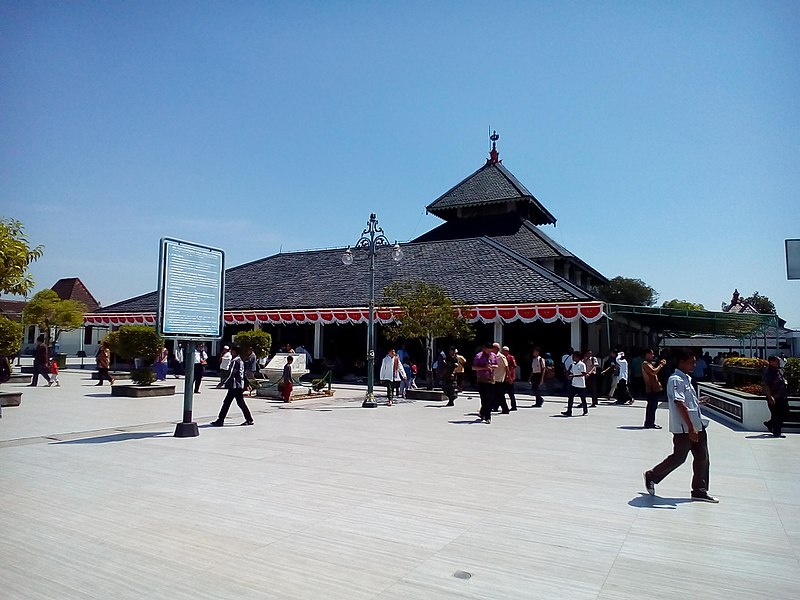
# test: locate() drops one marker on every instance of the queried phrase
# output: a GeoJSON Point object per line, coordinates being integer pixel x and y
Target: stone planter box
{"type": "Point", "coordinates": [743, 410]}
{"type": "Point", "coordinates": [19, 378]}
{"type": "Point", "coordinates": [10, 398]}
{"type": "Point", "coordinates": [142, 391]}
{"type": "Point", "coordinates": [430, 395]}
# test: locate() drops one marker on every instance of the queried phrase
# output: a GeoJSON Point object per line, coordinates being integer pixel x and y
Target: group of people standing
{"type": "Point", "coordinates": [495, 370]}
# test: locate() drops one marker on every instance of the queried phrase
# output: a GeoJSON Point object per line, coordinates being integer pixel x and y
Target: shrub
{"type": "Point", "coordinates": [144, 376]}
{"type": "Point", "coordinates": [139, 341]}
{"type": "Point", "coordinates": [258, 341]}
{"type": "Point", "coordinates": [746, 363]}
{"type": "Point", "coordinates": [792, 373]}
{"type": "Point", "coordinates": [10, 336]}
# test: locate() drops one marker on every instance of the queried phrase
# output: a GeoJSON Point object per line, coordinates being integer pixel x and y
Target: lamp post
{"type": "Point", "coordinates": [371, 239]}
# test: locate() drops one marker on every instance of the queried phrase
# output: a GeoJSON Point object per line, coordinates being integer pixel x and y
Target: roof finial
{"type": "Point", "coordinates": [494, 156]}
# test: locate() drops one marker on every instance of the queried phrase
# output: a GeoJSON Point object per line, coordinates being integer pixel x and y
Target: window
{"type": "Point", "coordinates": [87, 335]}
{"type": "Point", "coordinates": [31, 333]}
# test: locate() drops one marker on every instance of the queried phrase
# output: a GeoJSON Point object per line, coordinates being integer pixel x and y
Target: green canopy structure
{"type": "Point", "coordinates": [684, 323]}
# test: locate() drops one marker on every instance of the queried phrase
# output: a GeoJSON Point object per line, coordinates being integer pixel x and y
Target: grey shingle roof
{"type": "Point", "coordinates": [512, 231]}
{"type": "Point", "coordinates": [475, 271]}
{"type": "Point", "coordinates": [490, 184]}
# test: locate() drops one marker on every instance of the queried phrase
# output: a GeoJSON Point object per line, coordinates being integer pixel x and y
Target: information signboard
{"type": "Point", "coordinates": [191, 290]}
{"type": "Point", "coordinates": [793, 259]}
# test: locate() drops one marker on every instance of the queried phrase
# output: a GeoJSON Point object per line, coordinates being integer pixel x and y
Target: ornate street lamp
{"type": "Point", "coordinates": [371, 239]}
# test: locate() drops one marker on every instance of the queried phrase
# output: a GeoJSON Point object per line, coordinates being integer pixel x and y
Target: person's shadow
{"type": "Point", "coordinates": [645, 500]}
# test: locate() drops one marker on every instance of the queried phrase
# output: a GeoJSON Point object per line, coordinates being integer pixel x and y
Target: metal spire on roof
{"type": "Point", "coordinates": [494, 155]}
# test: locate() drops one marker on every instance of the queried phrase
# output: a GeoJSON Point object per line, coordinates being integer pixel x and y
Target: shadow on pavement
{"type": "Point", "coordinates": [118, 437]}
{"type": "Point", "coordinates": [631, 427]}
{"type": "Point", "coordinates": [645, 500]}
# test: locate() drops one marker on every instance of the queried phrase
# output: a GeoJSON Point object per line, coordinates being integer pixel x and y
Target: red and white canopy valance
{"type": "Point", "coordinates": [489, 313]}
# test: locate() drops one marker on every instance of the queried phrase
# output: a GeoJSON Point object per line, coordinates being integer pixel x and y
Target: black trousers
{"type": "Point", "coordinates": [777, 414]}
{"type": "Point", "coordinates": [681, 446]}
{"type": "Point", "coordinates": [486, 392]}
{"type": "Point", "coordinates": [622, 394]}
{"type": "Point", "coordinates": [449, 389]}
{"type": "Point", "coordinates": [591, 388]}
{"type": "Point", "coordinates": [500, 396]}
{"type": "Point", "coordinates": [39, 369]}
{"type": "Point", "coordinates": [536, 382]}
{"type": "Point", "coordinates": [199, 371]}
{"type": "Point", "coordinates": [653, 398]}
{"type": "Point", "coordinates": [238, 394]}
{"type": "Point", "coordinates": [102, 375]}
{"type": "Point", "coordinates": [581, 392]}
{"type": "Point", "coordinates": [508, 388]}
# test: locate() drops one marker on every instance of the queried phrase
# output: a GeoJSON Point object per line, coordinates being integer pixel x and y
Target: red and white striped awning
{"type": "Point", "coordinates": [489, 313]}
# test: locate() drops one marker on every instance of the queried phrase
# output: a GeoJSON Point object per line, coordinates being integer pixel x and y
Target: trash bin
{"type": "Point", "coordinates": [61, 360]}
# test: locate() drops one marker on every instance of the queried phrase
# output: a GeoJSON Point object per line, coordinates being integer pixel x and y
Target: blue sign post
{"type": "Point", "coordinates": [191, 298]}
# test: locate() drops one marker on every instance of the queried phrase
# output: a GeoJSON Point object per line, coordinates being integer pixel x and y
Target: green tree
{"type": "Point", "coordinates": [258, 341]}
{"type": "Point", "coordinates": [52, 314]}
{"type": "Point", "coordinates": [139, 342]}
{"type": "Point", "coordinates": [761, 303]}
{"type": "Point", "coordinates": [10, 336]}
{"type": "Point", "coordinates": [427, 313]}
{"type": "Point", "coordinates": [623, 290]}
{"type": "Point", "coordinates": [15, 256]}
{"type": "Point", "coordinates": [683, 305]}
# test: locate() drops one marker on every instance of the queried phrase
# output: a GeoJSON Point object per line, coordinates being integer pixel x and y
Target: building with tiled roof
{"type": "Point", "coordinates": [490, 254]}
{"type": "Point", "coordinates": [72, 288]}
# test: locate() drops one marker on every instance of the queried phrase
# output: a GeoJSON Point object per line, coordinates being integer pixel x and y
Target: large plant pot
{"type": "Point", "coordinates": [10, 398]}
{"type": "Point", "coordinates": [142, 391]}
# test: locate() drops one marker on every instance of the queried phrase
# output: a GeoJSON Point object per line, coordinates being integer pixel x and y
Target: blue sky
{"type": "Point", "coordinates": [664, 137]}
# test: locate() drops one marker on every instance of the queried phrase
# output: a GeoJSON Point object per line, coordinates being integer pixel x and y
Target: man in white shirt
{"type": "Point", "coordinates": [623, 395]}
{"type": "Point", "coordinates": [688, 430]}
{"type": "Point", "coordinates": [224, 364]}
{"type": "Point", "coordinates": [537, 372]}
{"type": "Point", "coordinates": [577, 379]}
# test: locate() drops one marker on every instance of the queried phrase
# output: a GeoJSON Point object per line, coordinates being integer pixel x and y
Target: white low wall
{"type": "Point", "coordinates": [742, 410]}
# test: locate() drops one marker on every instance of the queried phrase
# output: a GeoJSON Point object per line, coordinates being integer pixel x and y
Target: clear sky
{"type": "Point", "coordinates": [664, 137]}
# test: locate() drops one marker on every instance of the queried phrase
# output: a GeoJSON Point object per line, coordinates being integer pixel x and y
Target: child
{"type": "Point", "coordinates": [54, 373]}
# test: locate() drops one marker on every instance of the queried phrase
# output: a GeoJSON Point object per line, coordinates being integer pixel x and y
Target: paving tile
{"type": "Point", "coordinates": [324, 499]}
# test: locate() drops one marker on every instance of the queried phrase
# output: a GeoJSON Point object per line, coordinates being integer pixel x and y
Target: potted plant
{"type": "Point", "coordinates": [141, 344]}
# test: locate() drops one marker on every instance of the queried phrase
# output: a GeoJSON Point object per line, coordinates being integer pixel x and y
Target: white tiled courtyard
{"type": "Point", "coordinates": [325, 500]}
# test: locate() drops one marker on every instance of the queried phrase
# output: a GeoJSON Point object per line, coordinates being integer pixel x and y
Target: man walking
{"type": "Point", "coordinates": [652, 388]}
{"type": "Point", "coordinates": [592, 366]}
{"type": "Point", "coordinates": [448, 366]}
{"type": "Point", "coordinates": [225, 364]}
{"type": "Point", "coordinates": [511, 377]}
{"type": "Point", "coordinates": [499, 375]}
{"type": "Point", "coordinates": [41, 363]}
{"type": "Point", "coordinates": [484, 363]}
{"type": "Point", "coordinates": [623, 393]}
{"type": "Point", "coordinates": [200, 360]}
{"type": "Point", "coordinates": [688, 431]}
{"type": "Point", "coordinates": [577, 380]}
{"type": "Point", "coordinates": [235, 385]}
{"type": "Point", "coordinates": [537, 372]}
{"type": "Point", "coordinates": [104, 364]}
{"type": "Point", "coordinates": [612, 368]}
{"type": "Point", "coordinates": [391, 374]}
{"type": "Point", "coordinates": [776, 390]}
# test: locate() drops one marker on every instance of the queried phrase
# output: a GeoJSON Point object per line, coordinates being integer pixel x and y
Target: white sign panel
{"type": "Point", "coordinates": [191, 290]}
{"type": "Point", "coordinates": [793, 259]}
